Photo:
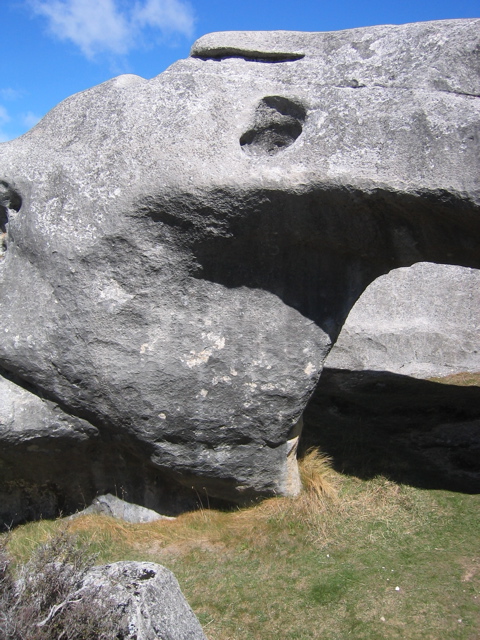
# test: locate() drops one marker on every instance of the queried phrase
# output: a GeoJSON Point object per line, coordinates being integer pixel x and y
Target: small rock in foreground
{"type": "Point", "coordinates": [153, 604]}
{"type": "Point", "coordinates": [110, 505]}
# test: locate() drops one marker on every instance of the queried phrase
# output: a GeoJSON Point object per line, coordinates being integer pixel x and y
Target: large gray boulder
{"type": "Point", "coordinates": [421, 321]}
{"type": "Point", "coordinates": [180, 254]}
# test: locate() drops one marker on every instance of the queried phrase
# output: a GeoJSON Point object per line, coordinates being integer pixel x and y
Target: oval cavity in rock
{"type": "Point", "coordinates": [278, 122]}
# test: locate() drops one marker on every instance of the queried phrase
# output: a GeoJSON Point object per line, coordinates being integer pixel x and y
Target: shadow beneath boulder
{"type": "Point", "coordinates": [61, 476]}
{"type": "Point", "coordinates": [417, 432]}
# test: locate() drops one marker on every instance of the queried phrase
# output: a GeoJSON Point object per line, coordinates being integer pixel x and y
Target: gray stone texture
{"type": "Point", "coordinates": [150, 599]}
{"type": "Point", "coordinates": [421, 321]}
{"type": "Point", "coordinates": [181, 253]}
{"type": "Point", "coordinates": [115, 507]}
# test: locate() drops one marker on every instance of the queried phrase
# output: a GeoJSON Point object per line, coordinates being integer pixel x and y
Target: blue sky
{"type": "Point", "coordinates": [54, 48]}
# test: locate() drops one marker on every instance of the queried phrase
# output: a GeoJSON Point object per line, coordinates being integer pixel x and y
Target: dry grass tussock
{"type": "Point", "coordinates": [208, 528]}
{"type": "Point", "coordinates": [327, 501]}
{"type": "Point", "coordinates": [464, 379]}
{"type": "Point", "coordinates": [316, 474]}
{"type": "Point", "coordinates": [332, 502]}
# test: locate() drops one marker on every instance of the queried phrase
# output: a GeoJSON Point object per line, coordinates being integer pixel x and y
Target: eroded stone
{"type": "Point", "coordinates": [180, 295]}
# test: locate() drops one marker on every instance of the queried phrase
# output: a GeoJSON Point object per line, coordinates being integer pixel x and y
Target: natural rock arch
{"type": "Point", "coordinates": [187, 249]}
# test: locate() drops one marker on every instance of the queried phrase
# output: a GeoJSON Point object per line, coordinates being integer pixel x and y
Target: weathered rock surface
{"type": "Point", "coordinates": [114, 507]}
{"type": "Point", "coordinates": [421, 321]}
{"type": "Point", "coordinates": [150, 598]}
{"type": "Point", "coordinates": [181, 253]}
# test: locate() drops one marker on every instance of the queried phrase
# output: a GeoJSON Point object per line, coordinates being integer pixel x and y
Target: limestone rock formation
{"type": "Point", "coordinates": [421, 321]}
{"type": "Point", "coordinates": [150, 599]}
{"type": "Point", "coordinates": [115, 507]}
{"type": "Point", "coordinates": [179, 254]}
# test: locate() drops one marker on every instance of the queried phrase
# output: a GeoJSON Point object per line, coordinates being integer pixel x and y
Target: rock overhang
{"type": "Point", "coordinates": [197, 239]}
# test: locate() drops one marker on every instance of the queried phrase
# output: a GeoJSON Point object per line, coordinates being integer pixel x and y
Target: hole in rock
{"type": "Point", "coordinates": [3, 237]}
{"type": "Point", "coordinates": [10, 200]}
{"type": "Point", "coordinates": [416, 432]}
{"type": "Point", "coordinates": [278, 122]}
{"type": "Point", "coordinates": [3, 220]}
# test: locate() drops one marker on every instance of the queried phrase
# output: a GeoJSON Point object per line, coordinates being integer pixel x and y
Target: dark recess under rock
{"type": "Point", "coordinates": [422, 433]}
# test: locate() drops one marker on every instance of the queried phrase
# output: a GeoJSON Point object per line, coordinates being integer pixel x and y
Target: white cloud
{"type": "Point", "coordinates": [112, 26]}
{"type": "Point", "coordinates": [167, 15]}
{"type": "Point", "coordinates": [30, 119]}
{"type": "Point", "coordinates": [4, 117]}
{"type": "Point", "coordinates": [93, 25]}
{"type": "Point", "coordinates": [9, 94]}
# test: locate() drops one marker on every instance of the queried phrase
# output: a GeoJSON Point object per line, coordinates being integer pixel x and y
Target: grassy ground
{"type": "Point", "coordinates": [358, 555]}
{"type": "Point", "coordinates": [379, 560]}
{"type": "Point", "coordinates": [460, 379]}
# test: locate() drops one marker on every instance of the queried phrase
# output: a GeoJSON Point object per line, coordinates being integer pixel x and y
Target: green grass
{"type": "Point", "coordinates": [327, 564]}
{"type": "Point", "coordinates": [311, 567]}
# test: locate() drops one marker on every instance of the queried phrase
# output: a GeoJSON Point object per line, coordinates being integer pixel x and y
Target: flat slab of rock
{"type": "Point", "coordinates": [180, 254]}
{"type": "Point", "coordinates": [109, 505]}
